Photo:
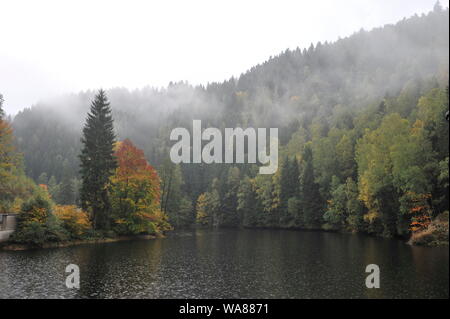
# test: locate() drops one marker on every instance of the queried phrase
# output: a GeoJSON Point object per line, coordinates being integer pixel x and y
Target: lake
{"type": "Point", "coordinates": [231, 264]}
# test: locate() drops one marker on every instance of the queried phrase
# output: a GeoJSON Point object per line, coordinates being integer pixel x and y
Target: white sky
{"type": "Point", "coordinates": [52, 47]}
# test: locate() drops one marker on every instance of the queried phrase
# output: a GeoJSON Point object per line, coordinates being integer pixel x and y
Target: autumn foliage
{"type": "Point", "coordinates": [135, 193]}
{"type": "Point", "coordinates": [15, 187]}
{"type": "Point", "coordinates": [73, 219]}
{"type": "Point", "coordinates": [420, 211]}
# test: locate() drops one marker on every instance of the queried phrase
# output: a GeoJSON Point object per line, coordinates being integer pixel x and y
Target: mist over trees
{"type": "Point", "coordinates": [363, 137]}
{"type": "Point", "coordinates": [2, 113]}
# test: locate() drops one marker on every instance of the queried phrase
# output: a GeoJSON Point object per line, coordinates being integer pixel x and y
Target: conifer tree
{"type": "Point", "coordinates": [67, 192]}
{"type": "Point", "coordinates": [97, 161]}
{"type": "Point", "coordinates": [311, 199]}
{"type": "Point", "coordinates": [289, 188]}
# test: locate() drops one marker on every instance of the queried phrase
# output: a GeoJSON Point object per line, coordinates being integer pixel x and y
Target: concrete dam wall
{"type": "Point", "coordinates": [8, 224]}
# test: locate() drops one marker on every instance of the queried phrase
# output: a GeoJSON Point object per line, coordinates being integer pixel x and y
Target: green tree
{"type": "Point", "coordinates": [336, 214]}
{"type": "Point", "coordinates": [173, 201]}
{"type": "Point", "coordinates": [53, 188]}
{"type": "Point", "coordinates": [396, 166]}
{"type": "Point", "coordinates": [345, 154]}
{"type": "Point", "coordinates": [289, 188]}
{"type": "Point", "coordinates": [312, 204]}
{"type": "Point", "coordinates": [97, 161]}
{"type": "Point", "coordinates": [15, 187]}
{"type": "Point", "coordinates": [66, 194]}
{"type": "Point", "coordinates": [443, 180]}
{"type": "Point", "coordinates": [325, 163]}
{"type": "Point", "coordinates": [230, 216]}
{"type": "Point", "coordinates": [264, 194]}
{"type": "Point", "coordinates": [355, 209]}
{"type": "Point", "coordinates": [208, 206]}
{"type": "Point", "coordinates": [37, 224]}
{"type": "Point", "coordinates": [248, 203]}
{"type": "Point", "coordinates": [432, 108]}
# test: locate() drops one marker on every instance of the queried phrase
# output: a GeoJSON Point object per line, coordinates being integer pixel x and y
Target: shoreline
{"type": "Point", "coordinates": [22, 247]}
{"type": "Point", "coordinates": [406, 240]}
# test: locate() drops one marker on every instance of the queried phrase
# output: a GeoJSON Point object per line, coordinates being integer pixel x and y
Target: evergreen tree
{"type": "Point", "coordinates": [67, 192]}
{"type": "Point", "coordinates": [284, 182]}
{"type": "Point", "coordinates": [289, 188]}
{"type": "Point", "coordinates": [311, 199]}
{"type": "Point", "coordinates": [97, 161]}
{"type": "Point", "coordinates": [229, 207]}
{"type": "Point", "coordinates": [173, 202]}
{"type": "Point", "coordinates": [53, 188]}
{"type": "Point", "coordinates": [247, 203]}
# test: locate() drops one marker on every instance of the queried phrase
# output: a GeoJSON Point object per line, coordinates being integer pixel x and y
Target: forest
{"type": "Point", "coordinates": [364, 146]}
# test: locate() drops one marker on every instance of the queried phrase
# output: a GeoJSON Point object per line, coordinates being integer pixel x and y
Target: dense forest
{"type": "Point", "coordinates": [364, 144]}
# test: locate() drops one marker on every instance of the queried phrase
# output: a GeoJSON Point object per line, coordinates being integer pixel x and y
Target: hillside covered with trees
{"type": "Point", "coordinates": [364, 144]}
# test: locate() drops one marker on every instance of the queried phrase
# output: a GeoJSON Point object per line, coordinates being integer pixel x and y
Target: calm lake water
{"type": "Point", "coordinates": [231, 264]}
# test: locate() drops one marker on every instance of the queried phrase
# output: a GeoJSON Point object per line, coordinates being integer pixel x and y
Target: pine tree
{"type": "Point", "coordinates": [173, 204]}
{"type": "Point", "coordinates": [97, 161]}
{"type": "Point", "coordinates": [67, 192]}
{"type": "Point", "coordinates": [285, 188]}
{"type": "Point", "coordinates": [311, 199]}
{"type": "Point", "coordinates": [248, 202]}
{"type": "Point", "coordinates": [229, 209]}
{"type": "Point", "coordinates": [289, 188]}
{"type": "Point", "coordinates": [53, 187]}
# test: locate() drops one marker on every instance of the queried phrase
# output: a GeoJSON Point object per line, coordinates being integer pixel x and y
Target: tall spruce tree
{"type": "Point", "coordinates": [310, 194]}
{"type": "Point", "coordinates": [97, 161]}
{"type": "Point", "coordinates": [289, 189]}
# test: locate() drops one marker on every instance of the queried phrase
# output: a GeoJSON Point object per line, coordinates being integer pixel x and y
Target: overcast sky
{"type": "Point", "coordinates": [53, 47]}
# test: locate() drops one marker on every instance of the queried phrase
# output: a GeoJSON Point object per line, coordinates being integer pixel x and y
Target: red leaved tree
{"type": "Point", "coordinates": [135, 193]}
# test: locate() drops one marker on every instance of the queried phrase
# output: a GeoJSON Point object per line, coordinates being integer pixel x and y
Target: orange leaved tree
{"type": "Point", "coordinates": [75, 221]}
{"type": "Point", "coordinates": [135, 193]}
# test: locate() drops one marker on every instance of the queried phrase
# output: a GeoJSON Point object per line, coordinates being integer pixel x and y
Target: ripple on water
{"type": "Point", "coordinates": [230, 264]}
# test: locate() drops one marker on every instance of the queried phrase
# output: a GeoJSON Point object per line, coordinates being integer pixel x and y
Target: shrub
{"type": "Point", "coordinates": [74, 220]}
{"type": "Point", "coordinates": [37, 225]}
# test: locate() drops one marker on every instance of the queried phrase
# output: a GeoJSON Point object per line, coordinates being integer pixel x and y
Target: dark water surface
{"type": "Point", "coordinates": [231, 264]}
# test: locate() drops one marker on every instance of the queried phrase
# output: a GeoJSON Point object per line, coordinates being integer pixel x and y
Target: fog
{"type": "Point", "coordinates": [50, 48]}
